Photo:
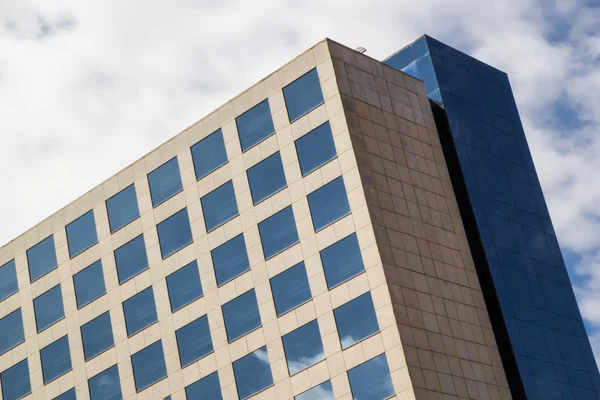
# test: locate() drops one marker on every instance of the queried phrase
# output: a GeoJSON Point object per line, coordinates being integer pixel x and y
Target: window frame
{"type": "Point", "coordinates": [285, 98]}
{"type": "Point", "coordinates": [121, 282]}
{"type": "Point", "coordinates": [75, 221]}
{"type": "Point", "coordinates": [159, 345]}
{"type": "Point", "coordinates": [204, 211]}
{"type": "Point", "coordinates": [280, 276]}
{"type": "Point", "coordinates": [262, 241]}
{"type": "Point", "coordinates": [112, 229]}
{"type": "Point", "coordinates": [205, 174]}
{"type": "Point", "coordinates": [249, 146]}
{"type": "Point", "coordinates": [149, 288]}
{"type": "Point", "coordinates": [83, 341]}
{"type": "Point", "coordinates": [204, 319]}
{"type": "Point", "coordinates": [177, 248]}
{"type": "Point", "coordinates": [62, 305]}
{"type": "Point", "coordinates": [238, 299]}
{"type": "Point", "coordinates": [192, 265]}
{"type": "Point", "coordinates": [90, 301]}
{"type": "Point", "coordinates": [70, 368]}
{"type": "Point", "coordinates": [7, 268]}
{"type": "Point", "coordinates": [250, 176]}
{"type": "Point", "coordinates": [28, 252]}
{"type": "Point", "coordinates": [306, 137]}
{"type": "Point", "coordinates": [154, 205]}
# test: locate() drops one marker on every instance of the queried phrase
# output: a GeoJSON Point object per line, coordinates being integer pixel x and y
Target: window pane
{"type": "Point", "coordinates": [278, 232]}
{"type": "Point", "coordinates": [97, 336]}
{"type": "Point", "coordinates": [241, 315]}
{"type": "Point", "coordinates": [316, 148]}
{"type": "Point", "coordinates": [41, 258]}
{"type": "Point", "coordinates": [89, 284]}
{"type": "Point", "coordinates": [207, 388]}
{"type": "Point", "coordinates": [356, 320]}
{"type": "Point", "coordinates": [322, 392]}
{"type": "Point", "coordinates": [81, 234]}
{"type": "Point", "coordinates": [290, 288]}
{"type": "Point", "coordinates": [328, 203]}
{"type": "Point", "coordinates": [342, 260]}
{"type": "Point", "coordinates": [371, 380]}
{"type": "Point", "coordinates": [122, 208]}
{"type": "Point", "coordinates": [106, 385]}
{"type": "Point", "coordinates": [184, 286]}
{"type": "Point", "coordinates": [252, 373]}
{"type": "Point", "coordinates": [303, 95]}
{"type": "Point", "coordinates": [193, 341]}
{"type": "Point", "coordinates": [303, 347]}
{"type": "Point", "coordinates": [140, 311]}
{"type": "Point", "coordinates": [266, 178]}
{"type": "Point", "coordinates": [11, 331]}
{"type": "Point", "coordinates": [149, 366]}
{"type": "Point", "coordinates": [8, 280]}
{"type": "Point", "coordinates": [15, 381]}
{"type": "Point", "coordinates": [131, 259]}
{"type": "Point", "coordinates": [255, 125]}
{"type": "Point", "coordinates": [230, 259]}
{"type": "Point", "coordinates": [165, 182]}
{"type": "Point", "coordinates": [209, 154]}
{"type": "Point", "coordinates": [68, 395]}
{"type": "Point", "coordinates": [174, 233]}
{"type": "Point", "coordinates": [48, 308]}
{"type": "Point", "coordinates": [56, 359]}
{"type": "Point", "coordinates": [219, 206]}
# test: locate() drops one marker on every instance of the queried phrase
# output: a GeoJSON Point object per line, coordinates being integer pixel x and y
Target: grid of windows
{"type": "Point", "coordinates": [81, 234]}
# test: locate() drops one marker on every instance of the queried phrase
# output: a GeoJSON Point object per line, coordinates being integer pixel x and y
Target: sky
{"type": "Point", "coordinates": [86, 88]}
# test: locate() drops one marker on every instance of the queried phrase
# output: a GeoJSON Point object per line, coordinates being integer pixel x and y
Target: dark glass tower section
{"type": "Point", "coordinates": [540, 333]}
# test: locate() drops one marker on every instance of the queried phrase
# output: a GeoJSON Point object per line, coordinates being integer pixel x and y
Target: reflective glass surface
{"type": "Point", "coordinates": [41, 258]}
{"type": "Point", "coordinates": [290, 288]}
{"type": "Point", "coordinates": [266, 178]}
{"type": "Point", "coordinates": [8, 280]}
{"type": "Point", "coordinates": [140, 311]}
{"type": "Point", "coordinates": [342, 260]}
{"type": "Point", "coordinates": [371, 380]}
{"type": "Point", "coordinates": [56, 359]}
{"type": "Point", "coordinates": [81, 234]}
{"type": "Point", "coordinates": [303, 95]}
{"type": "Point", "coordinates": [241, 315]}
{"type": "Point", "coordinates": [356, 320]}
{"type": "Point", "coordinates": [15, 381]}
{"type": "Point", "coordinates": [106, 385]}
{"type": "Point", "coordinates": [11, 331]}
{"type": "Point", "coordinates": [255, 125]}
{"type": "Point", "coordinates": [219, 206]}
{"type": "Point", "coordinates": [328, 203]}
{"type": "Point", "coordinates": [122, 208]}
{"type": "Point", "coordinates": [303, 347]}
{"type": "Point", "coordinates": [278, 232]}
{"type": "Point", "coordinates": [68, 395]}
{"type": "Point", "coordinates": [209, 154]}
{"type": "Point", "coordinates": [184, 286]}
{"type": "Point", "coordinates": [89, 284]}
{"type": "Point", "coordinates": [174, 233]}
{"type": "Point", "coordinates": [193, 341]}
{"type": "Point", "coordinates": [48, 308]}
{"type": "Point", "coordinates": [316, 148]}
{"type": "Point", "coordinates": [165, 182]}
{"type": "Point", "coordinates": [207, 388]}
{"type": "Point", "coordinates": [97, 336]}
{"type": "Point", "coordinates": [131, 259]}
{"type": "Point", "coordinates": [149, 366]}
{"type": "Point", "coordinates": [252, 373]}
{"type": "Point", "coordinates": [322, 392]}
{"type": "Point", "coordinates": [230, 259]}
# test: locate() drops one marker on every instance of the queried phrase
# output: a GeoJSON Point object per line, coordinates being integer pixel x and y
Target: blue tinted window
{"type": "Point", "coordinates": [174, 233]}
{"type": "Point", "coordinates": [140, 311]}
{"type": "Point", "coordinates": [149, 366]}
{"type": "Point", "coordinates": [193, 341]}
{"type": "Point", "coordinates": [15, 381]}
{"type": "Point", "coordinates": [303, 95]}
{"type": "Point", "coordinates": [207, 388]}
{"type": "Point", "coordinates": [165, 182]}
{"type": "Point", "coordinates": [122, 208]}
{"type": "Point", "coordinates": [219, 206]}
{"type": "Point", "coordinates": [315, 148]}
{"type": "Point", "coordinates": [81, 234]}
{"type": "Point", "coordinates": [230, 259]}
{"type": "Point", "coordinates": [56, 359]}
{"type": "Point", "coordinates": [209, 154]}
{"type": "Point", "coordinates": [97, 336]}
{"type": "Point", "coordinates": [131, 259]}
{"type": "Point", "coordinates": [290, 288]}
{"type": "Point", "coordinates": [266, 178]}
{"type": "Point", "coordinates": [322, 392]}
{"type": "Point", "coordinates": [8, 280]}
{"type": "Point", "coordinates": [241, 315]}
{"type": "Point", "coordinates": [184, 286]}
{"type": "Point", "coordinates": [342, 260]}
{"type": "Point", "coordinates": [106, 385]}
{"type": "Point", "coordinates": [356, 320]}
{"type": "Point", "coordinates": [255, 125]}
{"type": "Point", "coordinates": [68, 395]}
{"type": "Point", "coordinates": [371, 380]}
{"type": "Point", "coordinates": [48, 308]}
{"type": "Point", "coordinates": [303, 347]}
{"type": "Point", "coordinates": [89, 284]}
{"type": "Point", "coordinates": [328, 203]}
{"type": "Point", "coordinates": [41, 258]}
{"type": "Point", "coordinates": [278, 232]}
{"type": "Point", "coordinates": [11, 331]}
{"type": "Point", "coordinates": [252, 373]}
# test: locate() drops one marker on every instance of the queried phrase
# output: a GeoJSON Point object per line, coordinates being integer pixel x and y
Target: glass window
{"type": "Point", "coordinates": [140, 311]}
{"type": "Point", "coordinates": [356, 320]}
{"type": "Point", "coordinates": [322, 392]}
{"type": "Point", "coordinates": [252, 373]}
{"type": "Point", "coordinates": [241, 315]}
{"type": "Point", "coordinates": [68, 395]}
{"type": "Point", "coordinates": [106, 385]}
{"type": "Point", "coordinates": [122, 208]}
{"type": "Point", "coordinates": [15, 381]}
{"type": "Point", "coordinates": [290, 288]}
{"type": "Point", "coordinates": [48, 308]}
{"type": "Point", "coordinates": [193, 341]}
{"type": "Point", "coordinates": [315, 149]}
{"type": "Point", "coordinates": [89, 284]}
{"type": "Point", "coordinates": [149, 366]}
{"type": "Point", "coordinates": [41, 258]}
{"type": "Point", "coordinates": [131, 259]}
{"type": "Point", "coordinates": [11, 331]}
{"type": "Point", "coordinates": [165, 182]}
{"type": "Point", "coordinates": [266, 178]}
{"type": "Point", "coordinates": [209, 154]}
{"type": "Point", "coordinates": [303, 95]}
{"type": "Point", "coordinates": [219, 206]}
{"type": "Point", "coordinates": [303, 347]}
{"type": "Point", "coordinates": [328, 203]}
{"type": "Point", "coordinates": [230, 259]}
{"type": "Point", "coordinates": [371, 380]}
{"type": "Point", "coordinates": [207, 388]}
{"type": "Point", "coordinates": [8, 280]}
{"type": "Point", "coordinates": [342, 260]}
{"type": "Point", "coordinates": [56, 359]}
{"type": "Point", "coordinates": [184, 286]}
{"type": "Point", "coordinates": [255, 125]}
{"type": "Point", "coordinates": [278, 232]}
{"type": "Point", "coordinates": [97, 336]}
{"type": "Point", "coordinates": [174, 233]}
{"type": "Point", "coordinates": [81, 234]}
